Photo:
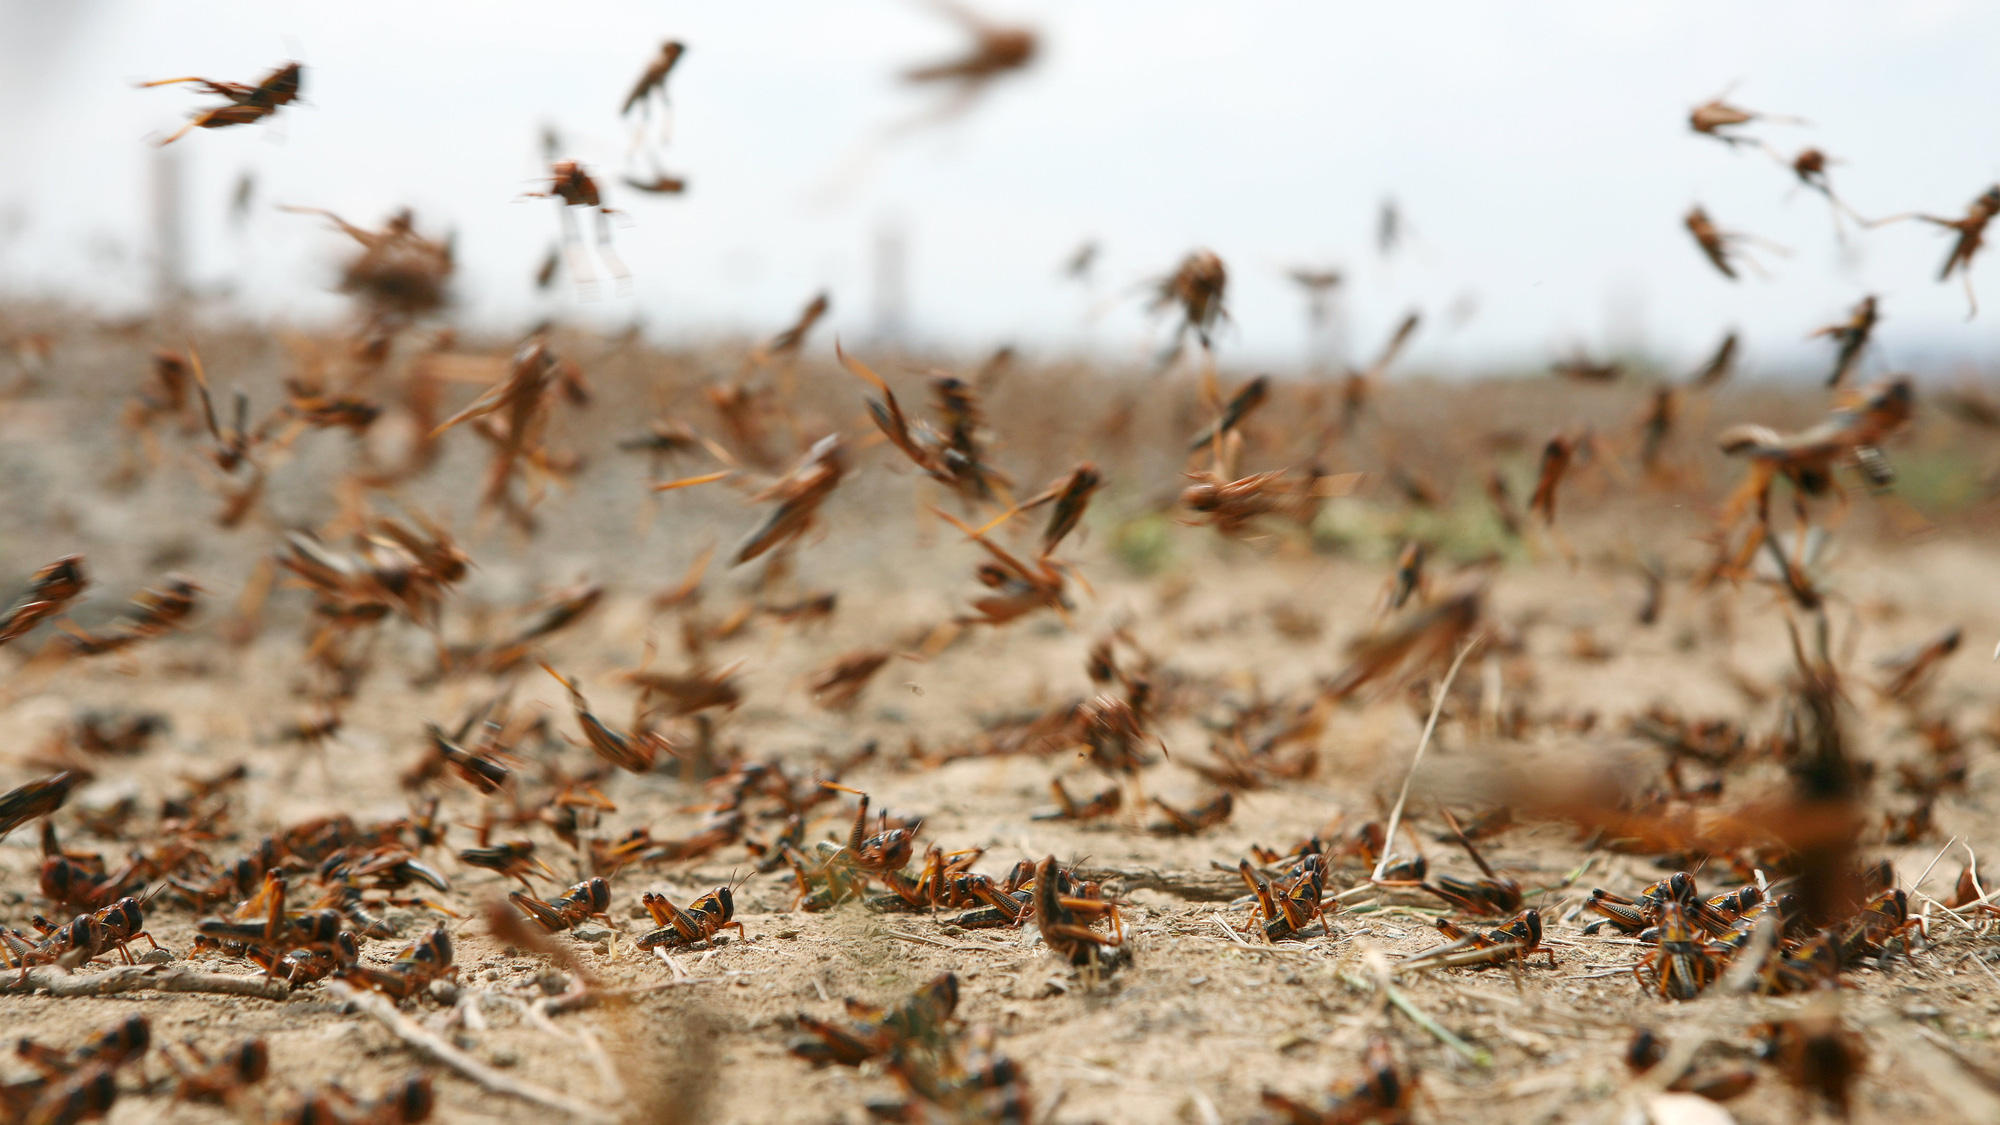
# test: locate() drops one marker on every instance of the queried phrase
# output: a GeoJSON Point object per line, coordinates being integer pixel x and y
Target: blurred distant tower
{"type": "Point", "coordinates": [892, 272]}
{"type": "Point", "coordinates": [169, 231]}
{"type": "Point", "coordinates": [1326, 320]}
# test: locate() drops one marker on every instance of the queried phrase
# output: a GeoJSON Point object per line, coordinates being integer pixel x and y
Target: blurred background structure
{"type": "Point", "coordinates": [1538, 160]}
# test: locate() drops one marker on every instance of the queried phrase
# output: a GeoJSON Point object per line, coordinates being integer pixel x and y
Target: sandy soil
{"type": "Point", "coordinates": [1200, 1020]}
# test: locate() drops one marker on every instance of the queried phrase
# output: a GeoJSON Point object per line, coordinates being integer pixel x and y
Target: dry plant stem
{"type": "Point", "coordinates": [1437, 708]}
{"type": "Point", "coordinates": [1919, 880]}
{"type": "Point", "coordinates": [1475, 1055]}
{"type": "Point", "coordinates": [1741, 978]}
{"type": "Point", "coordinates": [447, 1055]}
{"type": "Point", "coordinates": [128, 978]}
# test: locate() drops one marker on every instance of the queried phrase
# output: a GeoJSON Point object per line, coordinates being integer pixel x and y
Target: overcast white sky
{"type": "Point", "coordinates": [1539, 151]}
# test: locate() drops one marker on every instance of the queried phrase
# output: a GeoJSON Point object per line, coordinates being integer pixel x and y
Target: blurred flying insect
{"type": "Point", "coordinates": [1019, 588]}
{"type": "Point", "coordinates": [221, 1079]}
{"type": "Point", "coordinates": [405, 1102]}
{"type": "Point", "coordinates": [1408, 580]}
{"type": "Point", "coordinates": [1358, 388]}
{"type": "Point", "coordinates": [1556, 458]}
{"type": "Point", "coordinates": [1070, 495]}
{"type": "Point", "coordinates": [1718, 367]}
{"type": "Point", "coordinates": [1233, 507]}
{"type": "Point", "coordinates": [659, 184]}
{"type": "Point", "coordinates": [1718, 244]}
{"type": "Point", "coordinates": [1241, 405]}
{"type": "Point", "coordinates": [515, 860]}
{"type": "Point", "coordinates": [1971, 230]}
{"type": "Point", "coordinates": [1384, 1094]}
{"type": "Point", "coordinates": [996, 50]}
{"type": "Point", "coordinates": [1583, 369]}
{"type": "Point", "coordinates": [1078, 266]}
{"type": "Point", "coordinates": [1809, 167]}
{"type": "Point", "coordinates": [1503, 503]}
{"type": "Point", "coordinates": [123, 1042]}
{"type": "Point", "coordinates": [152, 612]}
{"type": "Point", "coordinates": [654, 79]}
{"type": "Point", "coordinates": [787, 343]}
{"type": "Point", "coordinates": [51, 589]}
{"type": "Point", "coordinates": [1656, 426]}
{"type": "Point", "coordinates": [522, 403]}
{"type": "Point", "coordinates": [1067, 807]}
{"type": "Point", "coordinates": [1320, 287]}
{"type": "Point", "coordinates": [635, 752]}
{"type": "Point", "coordinates": [1712, 117]}
{"type": "Point", "coordinates": [1424, 639]}
{"type": "Point", "coordinates": [1188, 822]}
{"type": "Point", "coordinates": [1911, 672]}
{"type": "Point", "coordinates": [652, 87]}
{"type": "Point", "coordinates": [1971, 236]}
{"type": "Point", "coordinates": [798, 496]}
{"type": "Point", "coordinates": [1390, 227]}
{"type": "Point", "coordinates": [571, 186]}
{"type": "Point", "coordinates": [954, 459]}
{"type": "Point", "coordinates": [1807, 459]}
{"type": "Point", "coordinates": [233, 447]}
{"type": "Point", "coordinates": [839, 685]}
{"type": "Point", "coordinates": [1197, 287]}
{"type": "Point", "coordinates": [87, 1093]}
{"type": "Point", "coordinates": [245, 103]}
{"type": "Point", "coordinates": [399, 274]}
{"type": "Point", "coordinates": [1821, 1059]}
{"type": "Point", "coordinates": [552, 614]}
{"type": "Point", "coordinates": [35, 799]}
{"type": "Point", "coordinates": [918, 1022]}
{"type": "Point", "coordinates": [1851, 336]}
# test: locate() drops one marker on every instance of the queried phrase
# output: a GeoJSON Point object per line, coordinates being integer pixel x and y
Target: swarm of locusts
{"type": "Point", "coordinates": [606, 830]}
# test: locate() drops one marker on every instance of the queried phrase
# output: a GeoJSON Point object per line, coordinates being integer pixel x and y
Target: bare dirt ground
{"type": "Point", "coordinates": [1200, 1019]}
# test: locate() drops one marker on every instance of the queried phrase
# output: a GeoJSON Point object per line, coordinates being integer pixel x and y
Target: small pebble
{"type": "Point", "coordinates": [592, 933]}
{"type": "Point", "coordinates": [156, 956]}
{"type": "Point", "coordinates": [504, 1059]}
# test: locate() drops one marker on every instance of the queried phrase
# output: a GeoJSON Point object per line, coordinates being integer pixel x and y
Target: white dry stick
{"type": "Point", "coordinates": [1919, 881]}
{"type": "Point", "coordinates": [1437, 708]}
{"type": "Point", "coordinates": [1230, 930]}
{"type": "Point", "coordinates": [443, 1053]}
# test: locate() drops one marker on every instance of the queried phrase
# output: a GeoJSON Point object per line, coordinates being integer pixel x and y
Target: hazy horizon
{"type": "Point", "coordinates": [1540, 155]}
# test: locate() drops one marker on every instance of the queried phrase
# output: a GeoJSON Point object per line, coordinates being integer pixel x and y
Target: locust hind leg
{"type": "Point", "coordinates": [619, 274]}
{"type": "Point", "coordinates": [576, 259]}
